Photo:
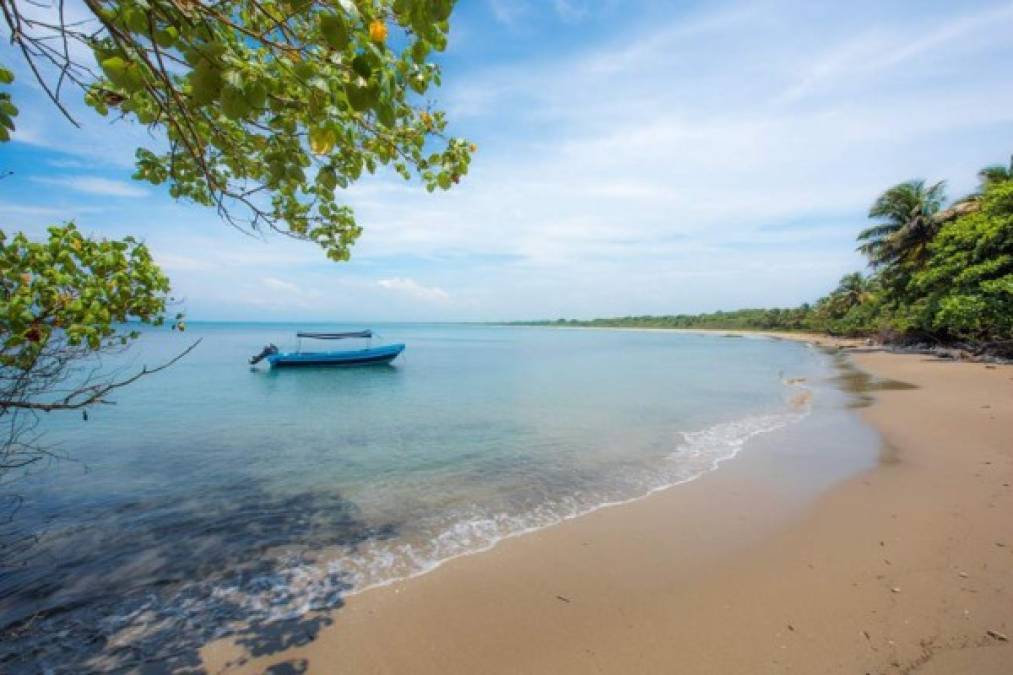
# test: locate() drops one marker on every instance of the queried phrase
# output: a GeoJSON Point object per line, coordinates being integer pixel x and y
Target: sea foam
{"type": "Point", "coordinates": [379, 563]}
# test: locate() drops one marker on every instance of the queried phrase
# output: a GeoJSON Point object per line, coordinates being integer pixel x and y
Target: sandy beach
{"type": "Point", "coordinates": [906, 567]}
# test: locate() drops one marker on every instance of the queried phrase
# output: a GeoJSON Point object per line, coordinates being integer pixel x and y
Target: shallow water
{"type": "Point", "coordinates": [213, 496]}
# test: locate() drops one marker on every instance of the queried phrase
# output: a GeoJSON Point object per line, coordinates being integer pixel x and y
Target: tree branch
{"type": "Point", "coordinates": [93, 394]}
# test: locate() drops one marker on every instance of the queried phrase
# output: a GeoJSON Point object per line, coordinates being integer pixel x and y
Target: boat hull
{"type": "Point", "coordinates": [355, 357]}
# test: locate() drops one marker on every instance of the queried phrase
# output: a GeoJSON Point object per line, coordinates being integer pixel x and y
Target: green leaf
{"type": "Point", "coordinates": [385, 113]}
{"type": "Point", "coordinates": [322, 140]}
{"type": "Point", "coordinates": [123, 73]}
{"type": "Point", "coordinates": [167, 37]}
{"type": "Point", "coordinates": [440, 10]}
{"type": "Point", "coordinates": [304, 71]}
{"type": "Point", "coordinates": [360, 64]}
{"type": "Point", "coordinates": [256, 96]}
{"type": "Point", "coordinates": [115, 68]}
{"type": "Point", "coordinates": [136, 20]}
{"type": "Point", "coordinates": [419, 51]}
{"type": "Point", "coordinates": [360, 98]}
{"type": "Point", "coordinates": [327, 178]}
{"type": "Point", "coordinates": [205, 83]}
{"type": "Point", "coordinates": [333, 30]}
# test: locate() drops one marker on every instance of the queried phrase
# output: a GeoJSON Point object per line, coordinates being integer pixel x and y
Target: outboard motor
{"type": "Point", "coordinates": [265, 352]}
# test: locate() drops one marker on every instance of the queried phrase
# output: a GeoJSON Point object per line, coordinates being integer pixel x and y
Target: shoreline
{"type": "Point", "coordinates": [808, 337]}
{"type": "Point", "coordinates": [715, 464]}
{"type": "Point", "coordinates": [641, 586]}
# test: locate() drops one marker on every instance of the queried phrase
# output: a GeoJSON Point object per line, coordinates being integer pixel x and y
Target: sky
{"type": "Point", "coordinates": [635, 157]}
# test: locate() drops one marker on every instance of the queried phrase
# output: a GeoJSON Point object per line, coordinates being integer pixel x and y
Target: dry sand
{"type": "Point", "coordinates": [904, 568]}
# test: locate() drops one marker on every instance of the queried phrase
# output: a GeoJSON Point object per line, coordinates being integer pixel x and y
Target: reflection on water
{"type": "Point", "coordinates": [312, 376]}
{"type": "Point", "coordinates": [861, 384]}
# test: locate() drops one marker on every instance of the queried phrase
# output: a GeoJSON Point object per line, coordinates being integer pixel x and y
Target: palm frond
{"type": "Point", "coordinates": [907, 222]}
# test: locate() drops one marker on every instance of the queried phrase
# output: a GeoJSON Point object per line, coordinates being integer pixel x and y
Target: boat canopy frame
{"type": "Point", "coordinates": [336, 336]}
{"type": "Point", "coordinates": [358, 334]}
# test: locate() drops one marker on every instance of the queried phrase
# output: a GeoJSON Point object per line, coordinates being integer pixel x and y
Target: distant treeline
{"type": "Point", "coordinates": [936, 275]}
{"type": "Point", "coordinates": [742, 319]}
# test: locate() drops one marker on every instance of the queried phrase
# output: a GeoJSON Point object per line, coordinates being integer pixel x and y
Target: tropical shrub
{"type": "Point", "coordinates": [965, 290]}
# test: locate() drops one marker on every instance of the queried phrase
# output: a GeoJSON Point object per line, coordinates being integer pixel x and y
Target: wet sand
{"type": "Point", "coordinates": [906, 567]}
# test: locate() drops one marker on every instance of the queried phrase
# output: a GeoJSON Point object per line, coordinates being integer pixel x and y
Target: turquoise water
{"type": "Point", "coordinates": [213, 493]}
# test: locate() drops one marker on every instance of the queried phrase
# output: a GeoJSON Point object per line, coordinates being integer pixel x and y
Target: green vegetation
{"type": "Point", "coordinates": [937, 275]}
{"type": "Point", "coordinates": [63, 303]}
{"type": "Point", "coordinates": [261, 109]}
{"type": "Point", "coordinates": [741, 319]}
{"type": "Point", "coordinates": [74, 286]}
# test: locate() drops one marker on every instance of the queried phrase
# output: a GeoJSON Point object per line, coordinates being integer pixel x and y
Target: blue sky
{"type": "Point", "coordinates": [634, 157]}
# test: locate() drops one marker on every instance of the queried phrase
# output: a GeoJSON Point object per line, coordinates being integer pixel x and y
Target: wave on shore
{"type": "Point", "coordinates": [380, 563]}
{"type": "Point", "coordinates": [288, 583]}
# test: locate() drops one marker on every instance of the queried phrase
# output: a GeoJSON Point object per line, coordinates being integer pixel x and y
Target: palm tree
{"type": "Point", "coordinates": [907, 223]}
{"type": "Point", "coordinates": [997, 173]}
{"type": "Point", "coordinates": [990, 175]}
{"type": "Point", "coordinates": [853, 289]}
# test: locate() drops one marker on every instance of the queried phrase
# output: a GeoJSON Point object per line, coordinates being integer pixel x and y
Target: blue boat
{"type": "Point", "coordinates": [351, 357]}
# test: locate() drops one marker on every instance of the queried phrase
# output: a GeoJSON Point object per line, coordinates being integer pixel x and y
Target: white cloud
{"type": "Point", "coordinates": [512, 13]}
{"type": "Point", "coordinates": [509, 12]}
{"type": "Point", "coordinates": [94, 185]}
{"type": "Point", "coordinates": [876, 51]}
{"type": "Point", "coordinates": [571, 10]}
{"type": "Point", "coordinates": [414, 289]}
{"type": "Point", "coordinates": [56, 212]}
{"type": "Point", "coordinates": [181, 263]}
{"type": "Point", "coordinates": [65, 163]}
{"type": "Point", "coordinates": [686, 144]}
{"type": "Point", "coordinates": [280, 285]}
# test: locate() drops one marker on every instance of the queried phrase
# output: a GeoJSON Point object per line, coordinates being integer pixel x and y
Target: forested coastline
{"type": "Point", "coordinates": [935, 276]}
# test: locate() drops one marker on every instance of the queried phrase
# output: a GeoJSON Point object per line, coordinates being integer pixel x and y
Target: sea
{"type": "Point", "coordinates": [214, 498]}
